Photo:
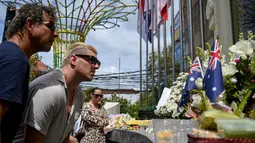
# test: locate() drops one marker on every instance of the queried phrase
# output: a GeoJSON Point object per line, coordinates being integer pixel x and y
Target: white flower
{"type": "Point", "coordinates": [228, 69]}
{"type": "Point", "coordinates": [175, 114]}
{"type": "Point", "coordinates": [205, 64]}
{"type": "Point", "coordinates": [241, 54]}
{"type": "Point", "coordinates": [175, 82]}
{"type": "Point", "coordinates": [177, 91]}
{"type": "Point", "coordinates": [171, 96]}
{"type": "Point", "coordinates": [179, 97]}
{"type": "Point", "coordinates": [232, 48]}
{"type": "Point", "coordinates": [243, 46]}
{"type": "Point", "coordinates": [181, 73]}
{"type": "Point", "coordinates": [199, 83]}
{"type": "Point", "coordinates": [169, 109]}
{"type": "Point", "coordinates": [174, 106]}
{"type": "Point", "coordinates": [233, 79]}
{"type": "Point", "coordinates": [222, 59]}
{"type": "Point", "coordinates": [179, 78]}
{"type": "Point", "coordinates": [196, 100]}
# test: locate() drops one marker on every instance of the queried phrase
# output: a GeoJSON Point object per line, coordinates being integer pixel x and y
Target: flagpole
{"type": "Point", "coordinates": [147, 53]}
{"type": "Point", "coordinates": [181, 38]}
{"type": "Point", "coordinates": [159, 54]}
{"type": "Point", "coordinates": [202, 24]}
{"type": "Point", "coordinates": [152, 50]}
{"type": "Point", "coordinates": [173, 40]}
{"type": "Point", "coordinates": [141, 68]}
{"type": "Point", "coordinates": [191, 30]}
{"type": "Point", "coordinates": [165, 55]}
{"type": "Point", "coordinates": [201, 68]}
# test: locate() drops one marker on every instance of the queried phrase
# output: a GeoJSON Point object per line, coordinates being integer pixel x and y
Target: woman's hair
{"type": "Point", "coordinates": [94, 89]}
{"type": "Point", "coordinates": [89, 92]}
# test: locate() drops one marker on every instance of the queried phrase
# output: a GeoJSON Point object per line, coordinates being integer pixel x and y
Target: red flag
{"type": "Point", "coordinates": [163, 7]}
{"type": "Point", "coordinates": [141, 2]}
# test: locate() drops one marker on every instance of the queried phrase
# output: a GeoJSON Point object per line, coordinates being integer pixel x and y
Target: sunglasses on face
{"type": "Point", "coordinates": [91, 59]}
{"type": "Point", "coordinates": [51, 26]}
{"type": "Point", "coordinates": [98, 95]}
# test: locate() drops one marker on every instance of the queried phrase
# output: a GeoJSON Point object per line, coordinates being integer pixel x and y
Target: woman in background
{"type": "Point", "coordinates": [94, 118]}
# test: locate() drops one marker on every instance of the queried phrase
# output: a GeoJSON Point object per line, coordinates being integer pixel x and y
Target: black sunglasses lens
{"type": "Point", "coordinates": [95, 61]}
{"type": "Point", "coordinates": [99, 95]}
{"type": "Point", "coordinates": [99, 63]}
{"type": "Point", "coordinates": [52, 27]}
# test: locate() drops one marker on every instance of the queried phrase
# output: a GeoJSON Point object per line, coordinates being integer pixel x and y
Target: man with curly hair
{"type": "Point", "coordinates": [32, 30]}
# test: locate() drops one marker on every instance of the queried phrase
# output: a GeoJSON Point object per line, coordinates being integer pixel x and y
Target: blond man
{"type": "Point", "coordinates": [56, 99]}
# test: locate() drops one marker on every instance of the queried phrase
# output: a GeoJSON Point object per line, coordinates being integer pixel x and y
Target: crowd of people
{"type": "Point", "coordinates": [46, 110]}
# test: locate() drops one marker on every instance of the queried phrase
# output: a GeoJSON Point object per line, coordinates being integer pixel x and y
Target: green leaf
{"type": "Point", "coordinates": [233, 105]}
{"type": "Point", "coordinates": [250, 86]}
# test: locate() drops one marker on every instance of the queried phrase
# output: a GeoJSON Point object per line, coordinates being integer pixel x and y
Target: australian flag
{"type": "Point", "coordinates": [213, 81]}
{"type": "Point", "coordinates": [194, 73]}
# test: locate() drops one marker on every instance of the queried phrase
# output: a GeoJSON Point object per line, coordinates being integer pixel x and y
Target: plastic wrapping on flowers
{"type": "Point", "coordinates": [170, 108]}
{"type": "Point", "coordinates": [119, 121]}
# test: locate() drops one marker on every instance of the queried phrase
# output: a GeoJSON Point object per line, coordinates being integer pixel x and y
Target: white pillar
{"type": "Point", "coordinates": [223, 25]}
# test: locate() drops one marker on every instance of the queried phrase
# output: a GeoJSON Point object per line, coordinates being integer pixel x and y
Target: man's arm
{"type": "Point", "coordinates": [14, 76]}
{"type": "Point", "coordinates": [32, 135]}
{"type": "Point", "coordinates": [13, 87]}
{"type": "Point", "coordinates": [3, 108]}
{"type": "Point", "coordinates": [70, 139]}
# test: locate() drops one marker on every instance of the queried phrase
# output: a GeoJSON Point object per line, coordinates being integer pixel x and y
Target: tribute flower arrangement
{"type": "Point", "coordinates": [238, 76]}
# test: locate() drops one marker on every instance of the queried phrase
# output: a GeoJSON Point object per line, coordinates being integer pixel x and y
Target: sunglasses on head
{"type": "Point", "coordinates": [93, 60]}
{"type": "Point", "coordinates": [98, 95]}
{"type": "Point", "coordinates": [51, 26]}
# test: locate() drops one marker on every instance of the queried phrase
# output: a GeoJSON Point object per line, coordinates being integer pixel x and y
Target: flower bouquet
{"type": "Point", "coordinates": [234, 85]}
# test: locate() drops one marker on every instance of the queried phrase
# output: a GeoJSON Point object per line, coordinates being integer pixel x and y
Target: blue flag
{"type": "Point", "coordinates": [149, 25]}
{"type": "Point", "coordinates": [145, 32]}
{"type": "Point", "coordinates": [194, 74]}
{"type": "Point", "coordinates": [213, 81]}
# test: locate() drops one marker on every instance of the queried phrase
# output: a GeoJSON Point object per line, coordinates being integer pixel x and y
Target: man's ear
{"type": "Point", "coordinates": [73, 60]}
{"type": "Point", "coordinates": [29, 24]}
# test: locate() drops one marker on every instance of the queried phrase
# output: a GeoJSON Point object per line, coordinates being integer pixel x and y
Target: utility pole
{"type": "Point", "coordinates": [119, 76]}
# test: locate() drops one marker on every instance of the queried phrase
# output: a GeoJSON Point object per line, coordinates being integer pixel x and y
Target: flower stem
{"type": "Point", "coordinates": [239, 110]}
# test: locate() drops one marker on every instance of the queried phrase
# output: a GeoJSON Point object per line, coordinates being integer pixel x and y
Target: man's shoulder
{"type": "Point", "coordinates": [48, 79]}
{"type": "Point", "coordinates": [48, 84]}
{"type": "Point", "coordinates": [11, 51]}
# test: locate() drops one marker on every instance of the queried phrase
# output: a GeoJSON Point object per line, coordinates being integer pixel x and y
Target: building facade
{"type": "Point", "coordinates": [223, 19]}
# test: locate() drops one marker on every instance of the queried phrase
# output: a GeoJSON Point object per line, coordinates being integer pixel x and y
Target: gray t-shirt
{"type": "Point", "coordinates": [47, 110]}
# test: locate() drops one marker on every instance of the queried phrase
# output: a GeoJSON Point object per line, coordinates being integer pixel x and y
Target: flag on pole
{"type": "Point", "coordinates": [213, 81]}
{"type": "Point", "coordinates": [163, 8]}
{"type": "Point", "coordinates": [194, 73]}
{"type": "Point", "coordinates": [140, 16]}
{"type": "Point", "coordinates": [149, 30]}
{"type": "Point", "coordinates": [160, 13]}
{"type": "Point", "coordinates": [158, 19]}
{"type": "Point", "coordinates": [142, 4]}
{"type": "Point", "coordinates": [145, 32]}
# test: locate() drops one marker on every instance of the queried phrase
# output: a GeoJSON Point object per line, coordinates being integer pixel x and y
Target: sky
{"type": "Point", "coordinates": [113, 45]}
